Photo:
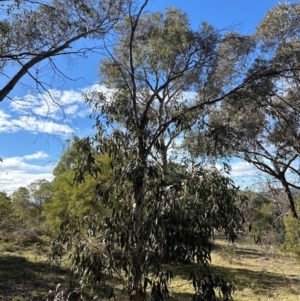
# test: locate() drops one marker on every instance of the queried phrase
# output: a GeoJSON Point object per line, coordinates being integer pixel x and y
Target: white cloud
{"type": "Point", "coordinates": [8, 124]}
{"type": "Point", "coordinates": [17, 163]}
{"type": "Point", "coordinates": [35, 156]}
{"type": "Point", "coordinates": [50, 112]}
{"type": "Point", "coordinates": [243, 169]}
{"type": "Point", "coordinates": [240, 169]}
{"type": "Point", "coordinates": [11, 181]}
{"type": "Point", "coordinates": [3, 116]}
{"type": "Point", "coordinates": [33, 124]}
{"type": "Point", "coordinates": [54, 104]}
{"type": "Point", "coordinates": [15, 172]}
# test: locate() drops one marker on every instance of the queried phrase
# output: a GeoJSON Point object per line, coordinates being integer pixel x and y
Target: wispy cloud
{"type": "Point", "coordinates": [20, 164]}
{"type": "Point", "coordinates": [9, 182]}
{"type": "Point", "coordinates": [54, 104]}
{"type": "Point", "coordinates": [57, 112]}
{"type": "Point", "coordinates": [12, 124]}
{"type": "Point", "coordinates": [52, 112]}
{"type": "Point", "coordinates": [16, 172]}
{"type": "Point", "coordinates": [35, 156]}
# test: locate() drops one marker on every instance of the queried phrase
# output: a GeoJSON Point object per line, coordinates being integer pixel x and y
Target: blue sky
{"type": "Point", "coordinates": [33, 129]}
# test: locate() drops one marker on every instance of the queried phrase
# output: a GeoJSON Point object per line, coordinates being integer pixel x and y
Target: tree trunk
{"type": "Point", "coordinates": [136, 292]}
{"type": "Point", "coordinates": [289, 197]}
{"type": "Point", "coordinates": [164, 159]}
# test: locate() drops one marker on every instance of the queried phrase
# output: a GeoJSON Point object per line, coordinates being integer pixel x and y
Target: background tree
{"type": "Point", "coordinates": [292, 233]}
{"type": "Point", "coordinates": [40, 193]}
{"type": "Point", "coordinates": [21, 199]}
{"type": "Point", "coordinates": [25, 212]}
{"type": "Point", "coordinates": [70, 197]}
{"type": "Point", "coordinates": [264, 216]}
{"type": "Point", "coordinates": [28, 204]}
{"type": "Point", "coordinates": [252, 134]}
{"type": "Point", "coordinates": [5, 205]}
{"type": "Point", "coordinates": [260, 122]}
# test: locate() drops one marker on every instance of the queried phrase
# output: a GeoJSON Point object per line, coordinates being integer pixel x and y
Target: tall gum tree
{"type": "Point", "coordinates": [260, 122]}
{"type": "Point", "coordinates": [156, 61]}
{"type": "Point", "coordinates": [161, 70]}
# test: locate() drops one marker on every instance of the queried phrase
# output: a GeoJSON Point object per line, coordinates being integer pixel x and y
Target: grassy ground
{"type": "Point", "coordinates": [25, 274]}
{"type": "Point", "coordinates": [258, 273]}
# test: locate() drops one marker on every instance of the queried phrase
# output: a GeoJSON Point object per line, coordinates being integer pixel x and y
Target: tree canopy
{"type": "Point", "coordinates": [259, 123]}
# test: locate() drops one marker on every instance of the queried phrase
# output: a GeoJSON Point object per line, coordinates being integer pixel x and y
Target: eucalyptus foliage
{"type": "Point", "coordinates": [164, 79]}
{"type": "Point", "coordinates": [260, 122]}
{"type": "Point", "coordinates": [178, 221]}
{"type": "Point", "coordinates": [154, 219]}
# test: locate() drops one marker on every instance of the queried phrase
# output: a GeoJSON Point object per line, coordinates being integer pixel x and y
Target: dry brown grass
{"type": "Point", "coordinates": [259, 273]}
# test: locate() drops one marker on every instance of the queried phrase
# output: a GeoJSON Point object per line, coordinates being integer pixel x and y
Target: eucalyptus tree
{"type": "Point", "coordinates": [41, 193]}
{"type": "Point", "coordinates": [21, 197]}
{"type": "Point", "coordinates": [252, 131]}
{"type": "Point", "coordinates": [34, 32]}
{"type": "Point", "coordinates": [260, 123]}
{"type": "Point", "coordinates": [164, 77]}
{"type": "Point", "coordinates": [28, 202]}
{"type": "Point", "coordinates": [160, 70]}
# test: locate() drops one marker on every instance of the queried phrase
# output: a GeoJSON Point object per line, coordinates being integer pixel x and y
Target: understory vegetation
{"type": "Point", "coordinates": [263, 261]}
